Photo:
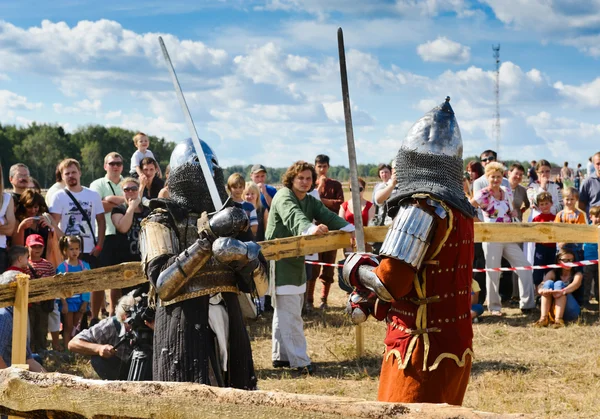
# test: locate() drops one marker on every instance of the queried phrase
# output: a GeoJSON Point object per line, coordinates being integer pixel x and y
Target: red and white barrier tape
{"type": "Point", "coordinates": [520, 268]}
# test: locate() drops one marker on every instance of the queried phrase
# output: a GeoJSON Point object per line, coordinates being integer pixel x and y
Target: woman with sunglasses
{"type": "Point", "coordinates": [367, 207]}
{"type": "Point", "coordinates": [127, 219]}
{"type": "Point", "coordinates": [559, 293]}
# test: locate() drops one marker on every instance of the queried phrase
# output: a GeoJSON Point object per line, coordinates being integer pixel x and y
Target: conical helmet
{"type": "Point", "coordinates": [430, 160]}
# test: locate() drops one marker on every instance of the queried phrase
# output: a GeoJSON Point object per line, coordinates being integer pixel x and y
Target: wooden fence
{"type": "Point", "coordinates": [22, 291]}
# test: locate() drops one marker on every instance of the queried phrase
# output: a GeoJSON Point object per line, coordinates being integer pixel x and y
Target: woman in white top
{"type": "Point", "coordinates": [7, 222]}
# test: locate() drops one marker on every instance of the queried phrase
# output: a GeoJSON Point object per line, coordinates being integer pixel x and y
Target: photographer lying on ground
{"type": "Point", "coordinates": [111, 357]}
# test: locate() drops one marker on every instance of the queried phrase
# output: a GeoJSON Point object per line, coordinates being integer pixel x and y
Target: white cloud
{"type": "Point", "coordinates": [568, 22]}
{"type": "Point", "coordinates": [4, 77]}
{"type": "Point", "coordinates": [11, 100]}
{"type": "Point", "coordinates": [585, 95]}
{"type": "Point", "coordinates": [565, 134]}
{"type": "Point", "coordinates": [444, 50]}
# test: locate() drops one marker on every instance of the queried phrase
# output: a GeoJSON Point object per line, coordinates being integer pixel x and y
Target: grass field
{"type": "Point", "coordinates": [517, 368]}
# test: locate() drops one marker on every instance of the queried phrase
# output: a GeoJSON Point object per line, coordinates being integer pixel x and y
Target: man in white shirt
{"type": "Point", "coordinates": [72, 221]}
{"type": "Point", "coordinates": [486, 157]}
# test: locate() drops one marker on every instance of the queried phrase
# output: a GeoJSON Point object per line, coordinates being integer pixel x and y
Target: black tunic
{"type": "Point", "coordinates": [184, 344]}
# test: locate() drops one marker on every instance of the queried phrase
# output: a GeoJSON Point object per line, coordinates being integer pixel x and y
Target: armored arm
{"type": "Point", "coordinates": [244, 258]}
{"type": "Point", "coordinates": [406, 245]}
{"type": "Point", "coordinates": [160, 243]}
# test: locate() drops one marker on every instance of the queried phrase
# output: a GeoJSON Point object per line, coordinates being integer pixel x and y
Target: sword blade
{"type": "Point", "coordinates": [210, 182]}
{"type": "Point", "coordinates": [356, 207]}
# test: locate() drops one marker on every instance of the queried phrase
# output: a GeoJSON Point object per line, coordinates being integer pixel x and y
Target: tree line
{"type": "Point", "coordinates": [42, 146]}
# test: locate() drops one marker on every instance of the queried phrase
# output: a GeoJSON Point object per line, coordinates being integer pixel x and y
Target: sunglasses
{"type": "Point", "coordinates": [115, 163]}
{"type": "Point", "coordinates": [488, 159]}
{"type": "Point", "coordinates": [567, 260]}
{"type": "Point", "coordinates": [359, 189]}
{"type": "Point", "coordinates": [131, 189]}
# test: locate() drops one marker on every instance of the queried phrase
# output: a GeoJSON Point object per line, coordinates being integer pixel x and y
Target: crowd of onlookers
{"type": "Point", "coordinates": [569, 197]}
{"type": "Point", "coordinates": [75, 228]}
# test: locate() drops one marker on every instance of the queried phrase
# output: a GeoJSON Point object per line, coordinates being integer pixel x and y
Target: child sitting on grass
{"type": "Point", "coordinates": [557, 293]}
{"type": "Point", "coordinates": [545, 253]}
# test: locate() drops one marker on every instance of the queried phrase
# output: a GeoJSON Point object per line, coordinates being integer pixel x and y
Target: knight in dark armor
{"type": "Point", "coordinates": [198, 262]}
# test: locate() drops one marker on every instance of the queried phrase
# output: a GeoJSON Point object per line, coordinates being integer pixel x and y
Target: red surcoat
{"type": "Point", "coordinates": [429, 333]}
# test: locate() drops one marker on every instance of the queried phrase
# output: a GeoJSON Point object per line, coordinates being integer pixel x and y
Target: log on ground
{"type": "Point", "coordinates": [64, 396]}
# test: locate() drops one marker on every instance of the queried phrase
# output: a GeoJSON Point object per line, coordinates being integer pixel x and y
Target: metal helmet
{"type": "Point", "coordinates": [185, 152]}
{"type": "Point", "coordinates": [186, 181]}
{"type": "Point", "coordinates": [430, 160]}
{"type": "Point", "coordinates": [436, 132]}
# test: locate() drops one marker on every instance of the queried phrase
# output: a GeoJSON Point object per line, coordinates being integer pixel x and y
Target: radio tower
{"type": "Point", "coordinates": [496, 132]}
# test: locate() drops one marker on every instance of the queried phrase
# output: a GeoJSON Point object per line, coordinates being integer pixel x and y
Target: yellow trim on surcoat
{"type": "Point", "coordinates": [421, 289]}
{"type": "Point", "coordinates": [459, 362]}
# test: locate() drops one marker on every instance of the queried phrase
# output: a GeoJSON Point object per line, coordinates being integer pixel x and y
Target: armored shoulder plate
{"type": "Point", "coordinates": [409, 236]}
{"type": "Point", "coordinates": [157, 237]}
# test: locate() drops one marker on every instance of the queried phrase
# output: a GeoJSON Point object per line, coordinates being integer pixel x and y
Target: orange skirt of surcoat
{"type": "Point", "coordinates": [446, 384]}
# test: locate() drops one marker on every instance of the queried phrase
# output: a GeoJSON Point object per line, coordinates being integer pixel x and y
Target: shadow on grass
{"type": "Point", "coordinates": [480, 367]}
{"type": "Point", "coordinates": [331, 317]}
{"type": "Point", "coordinates": [364, 367]}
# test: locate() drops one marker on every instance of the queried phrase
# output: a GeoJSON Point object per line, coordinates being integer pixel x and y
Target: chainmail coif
{"type": "Point", "coordinates": [188, 188]}
{"type": "Point", "coordinates": [435, 174]}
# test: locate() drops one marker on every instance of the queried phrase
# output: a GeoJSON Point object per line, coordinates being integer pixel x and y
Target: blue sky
{"type": "Point", "coordinates": [262, 77]}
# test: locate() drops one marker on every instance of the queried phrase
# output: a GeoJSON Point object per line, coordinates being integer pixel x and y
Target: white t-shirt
{"type": "Point", "coordinates": [71, 220]}
{"type": "Point", "coordinates": [137, 157]}
{"type": "Point", "coordinates": [6, 198]}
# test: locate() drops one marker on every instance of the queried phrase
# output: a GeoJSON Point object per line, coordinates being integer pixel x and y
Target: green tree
{"type": "Point", "coordinates": [92, 162]}
{"type": "Point", "coordinates": [41, 150]}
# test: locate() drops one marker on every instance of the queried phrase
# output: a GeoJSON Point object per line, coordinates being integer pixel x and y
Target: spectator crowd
{"type": "Point", "coordinates": [74, 228]}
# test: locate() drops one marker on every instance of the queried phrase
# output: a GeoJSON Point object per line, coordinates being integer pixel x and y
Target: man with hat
{"type": "Point", "coordinates": [258, 175]}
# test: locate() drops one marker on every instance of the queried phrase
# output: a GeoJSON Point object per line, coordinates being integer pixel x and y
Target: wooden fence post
{"type": "Point", "coordinates": [19, 338]}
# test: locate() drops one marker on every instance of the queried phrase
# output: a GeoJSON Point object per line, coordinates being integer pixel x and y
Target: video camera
{"type": "Point", "coordinates": [140, 337]}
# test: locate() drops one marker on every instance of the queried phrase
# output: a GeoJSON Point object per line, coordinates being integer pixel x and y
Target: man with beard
{"type": "Point", "coordinates": [197, 266]}
{"type": "Point", "coordinates": [75, 209]}
{"type": "Point", "coordinates": [422, 286]}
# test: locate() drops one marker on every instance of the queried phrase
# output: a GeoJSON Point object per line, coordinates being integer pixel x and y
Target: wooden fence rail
{"type": "Point", "coordinates": [128, 274]}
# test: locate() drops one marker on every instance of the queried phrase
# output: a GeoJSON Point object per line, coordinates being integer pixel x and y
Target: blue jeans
{"type": "Point", "coordinates": [477, 308]}
{"type": "Point", "coordinates": [572, 309]}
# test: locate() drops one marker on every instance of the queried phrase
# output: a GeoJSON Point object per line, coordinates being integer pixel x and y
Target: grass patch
{"type": "Point", "coordinates": [518, 368]}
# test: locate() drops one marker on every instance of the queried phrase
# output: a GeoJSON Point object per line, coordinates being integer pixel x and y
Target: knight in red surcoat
{"type": "Point", "coordinates": [421, 284]}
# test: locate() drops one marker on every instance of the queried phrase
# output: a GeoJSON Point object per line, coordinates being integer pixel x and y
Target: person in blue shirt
{"type": "Point", "coordinates": [267, 192]}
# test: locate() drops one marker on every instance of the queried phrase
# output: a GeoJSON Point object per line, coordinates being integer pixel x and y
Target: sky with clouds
{"type": "Point", "coordinates": [261, 77]}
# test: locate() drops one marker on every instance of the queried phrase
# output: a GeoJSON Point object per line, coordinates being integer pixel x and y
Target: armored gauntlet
{"type": "Point", "coordinates": [242, 257]}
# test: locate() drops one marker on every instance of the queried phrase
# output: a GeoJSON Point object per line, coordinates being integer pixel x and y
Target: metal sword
{"type": "Point", "coordinates": [356, 207]}
{"type": "Point", "coordinates": [358, 224]}
{"type": "Point", "coordinates": [210, 182]}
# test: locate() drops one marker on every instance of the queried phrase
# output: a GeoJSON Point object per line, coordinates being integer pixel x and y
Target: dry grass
{"type": "Point", "coordinates": [518, 369]}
